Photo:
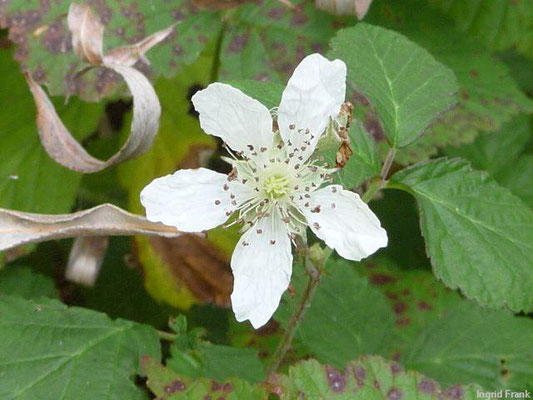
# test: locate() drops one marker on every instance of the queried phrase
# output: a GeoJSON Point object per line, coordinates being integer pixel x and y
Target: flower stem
{"type": "Point", "coordinates": [297, 316]}
{"type": "Point", "coordinates": [380, 182]}
{"type": "Point", "coordinates": [167, 336]}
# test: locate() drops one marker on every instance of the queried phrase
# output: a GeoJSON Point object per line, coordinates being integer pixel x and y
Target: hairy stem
{"type": "Point", "coordinates": [297, 316]}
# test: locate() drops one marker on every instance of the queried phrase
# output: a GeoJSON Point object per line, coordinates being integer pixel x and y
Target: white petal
{"type": "Point", "coordinates": [314, 93]}
{"type": "Point", "coordinates": [344, 222]}
{"type": "Point", "coordinates": [192, 200]}
{"type": "Point", "coordinates": [236, 118]}
{"type": "Point", "coordinates": [262, 270]}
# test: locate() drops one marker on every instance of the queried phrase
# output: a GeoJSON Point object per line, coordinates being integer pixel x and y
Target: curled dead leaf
{"type": "Point", "coordinates": [87, 40]}
{"type": "Point", "coordinates": [345, 7]}
{"type": "Point", "coordinates": [19, 228]}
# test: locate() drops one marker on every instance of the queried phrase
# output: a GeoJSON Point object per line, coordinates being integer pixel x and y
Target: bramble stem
{"type": "Point", "coordinates": [381, 181]}
{"type": "Point", "coordinates": [296, 317]}
{"type": "Point", "coordinates": [169, 337]}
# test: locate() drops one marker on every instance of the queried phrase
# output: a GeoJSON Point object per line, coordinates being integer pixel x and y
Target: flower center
{"type": "Point", "coordinates": [277, 186]}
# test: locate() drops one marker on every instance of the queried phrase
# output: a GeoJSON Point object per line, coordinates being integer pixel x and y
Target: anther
{"type": "Point", "coordinates": [226, 186]}
{"type": "Point", "coordinates": [316, 225]}
{"type": "Point", "coordinates": [263, 149]}
{"type": "Point", "coordinates": [292, 126]}
{"type": "Point", "coordinates": [272, 242]}
{"type": "Point", "coordinates": [259, 231]}
{"type": "Point", "coordinates": [244, 243]}
{"type": "Point", "coordinates": [250, 147]}
{"type": "Point", "coordinates": [217, 202]}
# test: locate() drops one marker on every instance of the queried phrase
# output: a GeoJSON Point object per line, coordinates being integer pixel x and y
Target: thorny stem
{"type": "Point", "coordinates": [297, 316]}
{"type": "Point", "coordinates": [381, 181]}
{"type": "Point", "coordinates": [167, 336]}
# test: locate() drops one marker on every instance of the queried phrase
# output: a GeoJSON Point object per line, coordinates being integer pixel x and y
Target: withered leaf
{"type": "Point", "coordinates": [345, 7]}
{"type": "Point", "coordinates": [87, 33]}
{"type": "Point", "coordinates": [87, 36]}
{"type": "Point", "coordinates": [19, 228]}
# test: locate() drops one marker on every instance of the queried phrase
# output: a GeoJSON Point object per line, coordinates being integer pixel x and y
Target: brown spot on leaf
{"type": "Point", "coordinates": [394, 394]}
{"type": "Point", "coordinates": [455, 392]}
{"type": "Point", "coordinates": [174, 386]}
{"type": "Point", "coordinates": [400, 308]}
{"type": "Point", "coordinates": [238, 43]}
{"type": "Point", "coordinates": [336, 381]}
{"type": "Point", "coordinates": [426, 386]}
{"type": "Point", "coordinates": [55, 39]}
{"type": "Point", "coordinates": [381, 279]}
{"type": "Point", "coordinates": [395, 368]}
{"type": "Point", "coordinates": [299, 18]}
{"type": "Point", "coordinates": [228, 387]}
{"type": "Point", "coordinates": [422, 305]}
{"type": "Point", "coordinates": [276, 12]}
{"type": "Point", "coordinates": [404, 321]}
{"type": "Point", "coordinates": [474, 73]}
{"type": "Point", "coordinates": [360, 375]}
{"type": "Point", "coordinates": [215, 386]}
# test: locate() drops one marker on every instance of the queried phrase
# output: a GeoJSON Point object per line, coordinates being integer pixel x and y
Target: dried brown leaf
{"type": "Point", "coordinates": [345, 7]}
{"type": "Point", "coordinates": [87, 33]}
{"type": "Point", "coordinates": [19, 228]}
{"type": "Point", "coordinates": [87, 37]}
{"type": "Point", "coordinates": [129, 55]}
{"type": "Point", "coordinates": [65, 150]}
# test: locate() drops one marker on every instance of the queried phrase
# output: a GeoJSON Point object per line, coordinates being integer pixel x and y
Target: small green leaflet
{"type": "Point", "coordinates": [49, 351]}
{"type": "Point", "coordinates": [478, 235]}
{"type": "Point", "coordinates": [406, 85]}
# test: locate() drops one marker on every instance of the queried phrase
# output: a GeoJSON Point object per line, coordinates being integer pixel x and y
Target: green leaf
{"type": "Point", "coordinates": [406, 85]}
{"type": "Point", "coordinates": [218, 362]}
{"type": "Point", "coordinates": [368, 378]}
{"type": "Point", "coordinates": [499, 24]}
{"type": "Point", "coordinates": [193, 357]}
{"type": "Point", "coordinates": [491, 152]}
{"type": "Point", "coordinates": [479, 236]}
{"type": "Point", "coordinates": [49, 56]}
{"type": "Point", "coordinates": [167, 384]}
{"type": "Point", "coordinates": [488, 96]}
{"type": "Point", "coordinates": [269, 94]}
{"type": "Point", "coordinates": [29, 179]}
{"type": "Point", "coordinates": [471, 344]}
{"type": "Point", "coordinates": [265, 41]}
{"type": "Point", "coordinates": [499, 153]}
{"type": "Point", "coordinates": [451, 339]}
{"type": "Point", "coordinates": [21, 281]}
{"type": "Point", "coordinates": [414, 296]}
{"type": "Point", "coordinates": [50, 351]}
{"type": "Point", "coordinates": [517, 177]}
{"type": "Point", "coordinates": [346, 318]}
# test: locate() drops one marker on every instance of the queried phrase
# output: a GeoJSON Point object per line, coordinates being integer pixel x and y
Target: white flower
{"type": "Point", "coordinates": [275, 188]}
